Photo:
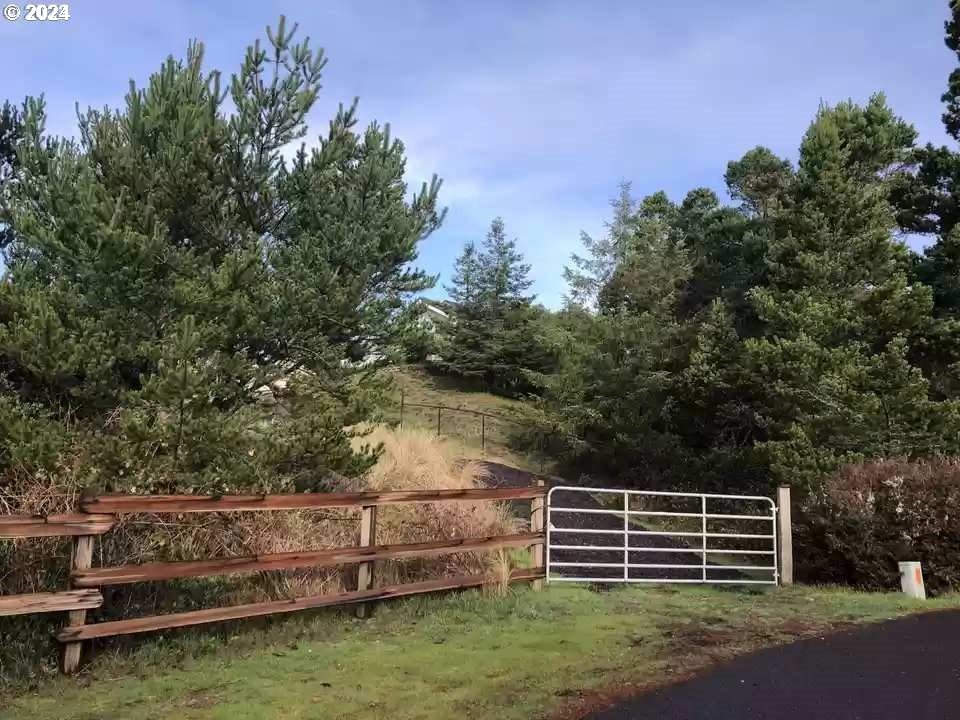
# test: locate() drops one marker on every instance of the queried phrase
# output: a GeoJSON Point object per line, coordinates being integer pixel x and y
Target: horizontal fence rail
{"type": "Point", "coordinates": [101, 516]}
{"type": "Point", "coordinates": [545, 439]}
{"type": "Point", "coordinates": [468, 411]}
{"type": "Point", "coordinates": [50, 602]}
{"type": "Point", "coordinates": [27, 526]}
{"type": "Point", "coordinates": [119, 504]}
{"type": "Point", "coordinates": [150, 572]}
{"type": "Point", "coordinates": [606, 535]}
{"type": "Point", "coordinates": [593, 535]}
{"type": "Point", "coordinates": [239, 612]}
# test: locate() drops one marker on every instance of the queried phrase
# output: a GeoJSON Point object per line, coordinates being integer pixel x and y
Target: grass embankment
{"type": "Point", "coordinates": [461, 428]}
{"type": "Point", "coordinates": [526, 655]}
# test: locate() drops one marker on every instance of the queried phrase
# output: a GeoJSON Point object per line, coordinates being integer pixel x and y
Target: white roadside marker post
{"type": "Point", "coordinates": [911, 580]}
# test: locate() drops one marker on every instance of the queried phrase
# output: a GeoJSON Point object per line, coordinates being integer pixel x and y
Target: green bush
{"type": "Point", "coordinates": [418, 343]}
{"type": "Point", "coordinates": [871, 515]}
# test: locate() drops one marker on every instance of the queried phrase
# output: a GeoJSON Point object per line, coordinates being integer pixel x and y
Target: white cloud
{"type": "Point", "coordinates": [534, 111]}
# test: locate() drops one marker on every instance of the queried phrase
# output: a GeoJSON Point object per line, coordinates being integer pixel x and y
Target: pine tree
{"type": "Point", "coordinates": [738, 347]}
{"type": "Point", "coordinates": [926, 194]}
{"type": "Point", "coordinates": [589, 273]}
{"type": "Point", "coordinates": [184, 305]}
{"type": "Point", "coordinates": [654, 266]}
{"type": "Point", "coordinates": [726, 247]}
{"type": "Point", "coordinates": [838, 305]}
{"type": "Point", "coordinates": [610, 398]}
{"type": "Point", "coordinates": [505, 275]}
{"type": "Point", "coordinates": [467, 352]}
{"type": "Point", "coordinates": [466, 289]}
{"type": "Point", "coordinates": [11, 131]}
{"type": "Point", "coordinates": [951, 115]}
{"type": "Point", "coordinates": [498, 336]}
{"type": "Point", "coordinates": [760, 180]}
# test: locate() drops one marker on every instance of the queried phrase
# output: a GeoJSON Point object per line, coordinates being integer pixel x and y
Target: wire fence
{"type": "Point", "coordinates": [545, 444]}
{"type": "Point", "coordinates": [483, 418]}
{"type": "Point", "coordinates": [523, 437]}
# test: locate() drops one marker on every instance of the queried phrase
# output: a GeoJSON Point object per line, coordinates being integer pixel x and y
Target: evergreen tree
{"type": "Point", "coordinates": [466, 289]}
{"type": "Point", "coordinates": [170, 273]}
{"type": "Point", "coordinates": [727, 250]}
{"type": "Point", "coordinates": [927, 197]}
{"type": "Point", "coordinates": [11, 131]}
{"type": "Point", "coordinates": [760, 181]}
{"type": "Point", "coordinates": [951, 115]}
{"type": "Point", "coordinates": [839, 306]}
{"type": "Point", "coordinates": [609, 401]}
{"type": "Point", "coordinates": [653, 268]}
{"type": "Point", "coordinates": [467, 352]}
{"type": "Point", "coordinates": [926, 193]}
{"type": "Point", "coordinates": [498, 336]}
{"type": "Point", "coordinates": [589, 273]}
{"type": "Point", "coordinates": [738, 347]}
{"type": "Point", "coordinates": [505, 275]}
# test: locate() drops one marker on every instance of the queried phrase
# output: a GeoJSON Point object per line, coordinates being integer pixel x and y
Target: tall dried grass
{"type": "Point", "coordinates": [40, 564]}
{"type": "Point", "coordinates": [416, 460]}
{"type": "Point", "coordinates": [410, 460]}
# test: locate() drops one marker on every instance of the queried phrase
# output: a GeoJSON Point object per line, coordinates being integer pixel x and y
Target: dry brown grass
{"type": "Point", "coordinates": [420, 386]}
{"type": "Point", "coordinates": [40, 564]}
{"type": "Point", "coordinates": [416, 460]}
{"type": "Point", "coordinates": [411, 460]}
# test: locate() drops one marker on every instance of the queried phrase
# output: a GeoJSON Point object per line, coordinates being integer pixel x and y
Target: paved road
{"type": "Point", "coordinates": [907, 669]}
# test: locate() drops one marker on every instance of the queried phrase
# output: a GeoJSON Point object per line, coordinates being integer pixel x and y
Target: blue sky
{"type": "Point", "coordinates": [532, 110]}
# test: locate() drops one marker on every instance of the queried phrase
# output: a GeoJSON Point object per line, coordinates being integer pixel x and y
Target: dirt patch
{"type": "Point", "coordinates": [200, 699]}
{"type": "Point", "coordinates": [718, 641]}
{"type": "Point", "coordinates": [579, 703]}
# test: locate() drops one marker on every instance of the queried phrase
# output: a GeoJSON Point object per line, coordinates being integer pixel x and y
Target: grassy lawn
{"type": "Point", "coordinates": [419, 386]}
{"type": "Point", "coordinates": [524, 655]}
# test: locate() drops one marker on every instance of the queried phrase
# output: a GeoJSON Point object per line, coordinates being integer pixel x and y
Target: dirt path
{"type": "Point", "coordinates": [500, 475]}
{"type": "Point", "coordinates": [907, 668]}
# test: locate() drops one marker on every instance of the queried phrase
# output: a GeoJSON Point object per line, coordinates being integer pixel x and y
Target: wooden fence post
{"type": "Point", "coordinates": [81, 558]}
{"type": "Point", "coordinates": [438, 420]}
{"type": "Point", "coordinates": [537, 526]}
{"type": "Point", "coordinates": [368, 537]}
{"type": "Point", "coordinates": [785, 535]}
{"type": "Point", "coordinates": [402, 402]}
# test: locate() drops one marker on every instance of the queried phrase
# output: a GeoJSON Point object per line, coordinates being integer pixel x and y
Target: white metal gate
{"type": "Point", "coordinates": [639, 536]}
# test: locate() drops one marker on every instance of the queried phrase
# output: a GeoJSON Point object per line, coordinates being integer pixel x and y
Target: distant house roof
{"type": "Point", "coordinates": [434, 310]}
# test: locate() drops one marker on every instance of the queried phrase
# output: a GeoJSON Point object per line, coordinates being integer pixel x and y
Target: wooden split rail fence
{"type": "Point", "coordinates": [100, 514]}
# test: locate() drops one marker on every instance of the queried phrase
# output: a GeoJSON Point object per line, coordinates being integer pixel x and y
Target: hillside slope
{"type": "Point", "coordinates": [489, 439]}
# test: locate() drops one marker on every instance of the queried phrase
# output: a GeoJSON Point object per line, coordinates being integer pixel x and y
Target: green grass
{"type": "Point", "coordinates": [525, 655]}
{"type": "Point", "coordinates": [462, 428]}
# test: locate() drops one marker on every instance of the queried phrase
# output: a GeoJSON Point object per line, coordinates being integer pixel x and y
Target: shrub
{"type": "Point", "coordinates": [419, 343]}
{"type": "Point", "coordinates": [871, 515]}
